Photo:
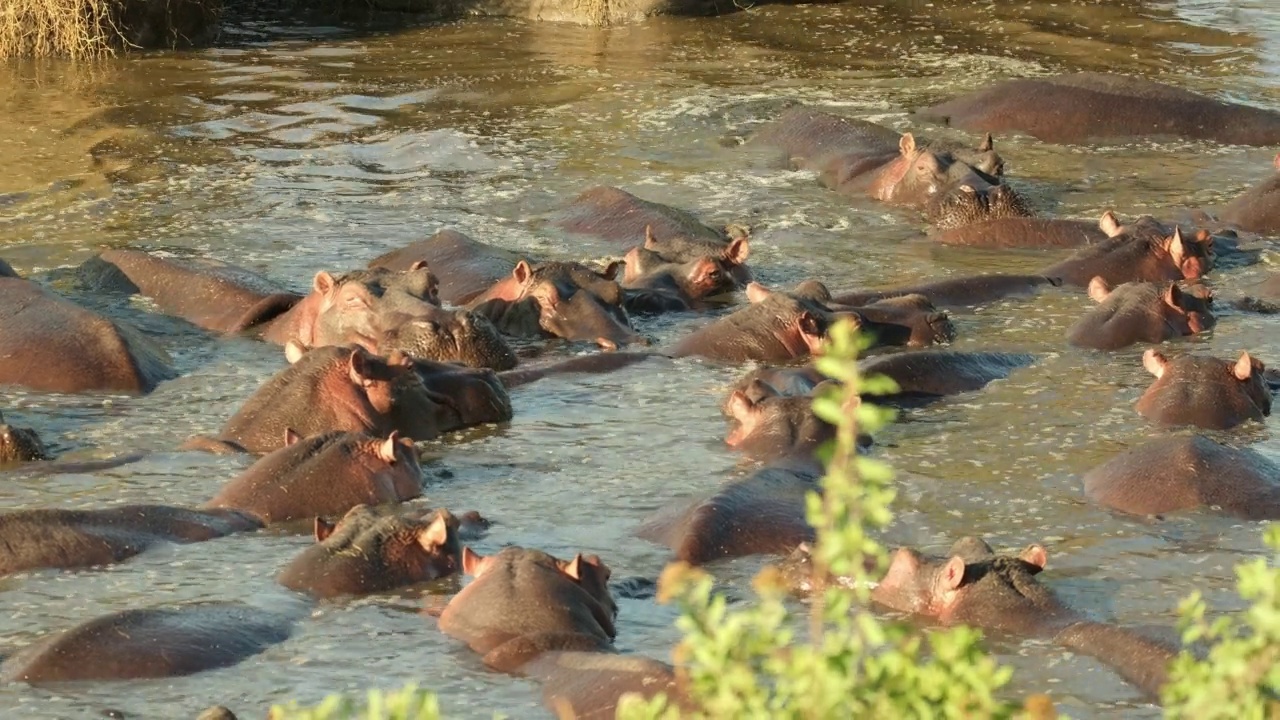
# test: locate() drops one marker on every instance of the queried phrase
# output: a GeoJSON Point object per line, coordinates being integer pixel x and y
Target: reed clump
{"type": "Point", "coordinates": [90, 29]}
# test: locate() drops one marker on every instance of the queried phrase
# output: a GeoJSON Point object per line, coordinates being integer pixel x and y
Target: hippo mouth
{"type": "Point", "coordinates": [967, 205]}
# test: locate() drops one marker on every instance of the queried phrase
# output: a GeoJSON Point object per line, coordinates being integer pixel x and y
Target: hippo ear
{"type": "Point", "coordinates": [736, 252]}
{"type": "Point", "coordinates": [1154, 362]}
{"type": "Point", "coordinates": [419, 265]}
{"type": "Point", "coordinates": [610, 271]}
{"type": "Point", "coordinates": [606, 344]}
{"type": "Point", "coordinates": [1109, 224]}
{"type": "Point", "coordinates": [1275, 162]}
{"type": "Point", "coordinates": [357, 368]}
{"type": "Point", "coordinates": [323, 283]}
{"type": "Point", "coordinates": [291, 437]}
{"type": "Point", "coordinates": [988, 144]}
{"type": "Point", "coordinates": [523, 272]}
{"type": "Point", "coordinates": [387, 448]}
{"type": "Point", "coordinates": [903, 569]}
{"type": "Point", "coordinates": [810, 328]}
{"type": "Point", "coordinates": [294, 350]}
{"type": "Point", "coordinates": [573, 568]}
{"type": "Point", "coordinates": [1098, 289]}
{"type": "Point", "coordinates": [1035, 556]}
{"type": "Point", "coordinates": [952, 574]}
{"type": "Point", "coordinates": [650, 242]}
{"type": "Point", "coordinates": [473, 563]}
{"type": "Point", "coordinates": [631, 265]}
{"type": "Point", "coordinates": [907, 145]}
{"type": "Point", "coordinates": [1176, 247]}
{"type": "Point", "coordinates": [1243, 369]}
{"type": "Point", "coordinates": [434, 535]}
{"type": "Point", "coordinates": [739, 404]}
{"type": "Point", "coordinates": [757, 292]}
{"type": "Point", "coordinates": [323, 529]}
{"type": "Point", "coordinates": [1173, 296]}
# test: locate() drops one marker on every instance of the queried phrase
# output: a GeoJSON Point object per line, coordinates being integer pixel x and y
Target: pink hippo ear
{"type": "Point", "coordinates": [1173, 296]}
{"type": "Point", "coordinates": [523, 272]}
{"type": "Point", "coordinates": [1243, 368]}
{"type": "Point", "coordinates": [294, 350]}
{"type": "Point", "coordinates": [1275, 162]}
{"type": "Point", "coordinates": [436, 534]}
{"type": "Point", "coordinates": [988, 144]}
{"type": "Point", "coordinates": [419, 265]}
{"type": "Point", "coordinates": [744, 411]}
{"type": "Point", "coordinates": [650, 242]}
{"type": "Point", "coordinates": [736, 252]}
{"type": "Point", "coordinates": [291, 437]}
{"type": "Point", "coordinates": [610, 271]}
{"type": "Point", "coordinates": [323, 529]}
{"type": "Point", "coordinates": [358, 368]}
{"type": "Point", "coordinates": [573, 568]}
{"type": "Point", "coordinates": [896, 588]}
{"type": "Point", "coordinates": [1154, 362]}
{"type": "Point", "coordinates": [323, 282]}
{"type": "Point", "coordinates": [1098, 289]}
{"type": "Point", "coordinates": [811, 331]}
{"type": "Point", "coordinates": [757, 293]}
{"type": "Point", "coordinates": [473, 563]}
{"type": "Point", "coordinates": [631, 264]}
{"type": "Point", "coordinates": [951, 575]}
{"type": "Point", "coordinates": [1035, 555]}
{"type": "Point", "coordinates": [907, 145]}
{"type": "Point", "coordinates": [1109, 224]}
{"type": "Point", "coordinates": [387, 448]}
{"type": "Point", "coordinates": [1176, 246]}
{"type": "Point", "coordinates": [606, 344]}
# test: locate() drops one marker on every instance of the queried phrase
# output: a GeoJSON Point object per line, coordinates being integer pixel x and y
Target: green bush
{"type": "Point", "coordinates": [409, 703]}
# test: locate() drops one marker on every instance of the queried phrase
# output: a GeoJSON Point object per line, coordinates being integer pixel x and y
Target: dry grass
{"type": "Point", "coordinates": [88, 29]}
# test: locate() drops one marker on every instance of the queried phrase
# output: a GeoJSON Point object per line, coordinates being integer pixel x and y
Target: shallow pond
{"type": "Point", "coordinates": [294, 148]}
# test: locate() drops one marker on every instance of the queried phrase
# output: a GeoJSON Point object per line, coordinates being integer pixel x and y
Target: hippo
{"type": "Point", "coordinates": [1146, 250]}
{"type": "Point", "coordinates": [525, 602]}
{"type": "Point", "coordinates": [1184, 472]}
{"type": "Point", "coordinates": [441, 335]}
{"type": "Point", "coordinates": [768, 425]}
{"type": "Point", "coordinates": [325, 474]}
{"type": "Point", "coordinates": [1204, 391]}
{"type": "Point", "coordinates": [365, 553]}
{"type": "Point", "coordinates": [445, 396]}
{"type": "Point", "coordinates": [595, 363]}
{"type": "Point", "coordinates": [905, 320]}
{"type": "Point", "coordinates": [1022, 232]}
{"type": "Point", "coordinates": [590, 685]}
{"type": "Point", "coordinates": [1141, 312]}
{"type": "Point", "coordinates": [20, 445]}
{"type": "Point", "coordinates": [763, 513]}
{"type": "Point", "coordinates": [689, 271]}
{"type": "Point", "coordinates": [1264, 297]}
{"type": "Point", "coordinates": [465, 268]}
{"type": "Point", "coordinates": [968, 207]}
{"type": "Point", "coordinates": [67, 539]}
{"type": "Point", "coordinates": [974, 586]}
{"type": "Point", "coordinates": [957, 292]}
{"type": "Point", "coordinates": [1258, 209]}
{"type": "Point", "coordinates": [223, 298]}
{"type": "Point", "coordinates": [150, 643]}
{"type": "Point", "coordinates": [53, 345]}
{"type": "Point", "coordinates": [855, 157]}
{"type": "Point", "coordinates": [6, 270]}
{"type": "Point", "coordinates": [1081, 107]}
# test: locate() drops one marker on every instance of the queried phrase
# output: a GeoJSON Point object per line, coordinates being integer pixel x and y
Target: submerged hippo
{"type": "Point", "coordinates": [443, 335]}
{"type": "Point", "coordinates": [590, 685]}
{"type": "Point", "coordinates": [1141, 312]}
{"type": "Point", "coordinates": [20, 445]}
{"type": "Point", "coordinates": [1258, 209]}
{"type": "Point", "coordinates": [1080, 107]}
{"type": "Point", "coordinates": [65, 539]}
{"type": "Point", "coordinates": [325, 474]}
{"type": "Point", "coordinates": [976, 587]}
{"type": "Point", "coordinates": [1184, 472]}
{"type": "Point", "coordinates": [53, 345]}
{"type": "Point", "coordinates": [150, 643]}
{"type": "Point", "coordinates": [689, 271]}
{"type": "Point", "coordinates": [1023, 232]}
{"type": "Point", "coordinates": [1263, 297]}
{"type": "Point", "coordinates": [615, 215]}
{"type": "Point", "coordinates": [366, 553]}
{"type": "Point", "coordinates": [465, 268]}
{"type": "Point", "coordinates": [1146, 250]}
{"type": "Point", "coordinates": [856, 157]}
{"type": "Point", "coordinates": [1204, 391]}
{"type": "Point", "coordinates": [768, 425]}
{"type": "Point", "coordinates": [957, 292]}
{"type": "Point", "coordinates": [524, 603]}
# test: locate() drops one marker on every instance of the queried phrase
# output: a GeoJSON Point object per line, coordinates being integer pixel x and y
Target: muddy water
{"type": "Point", "coordinates": [297, 148]}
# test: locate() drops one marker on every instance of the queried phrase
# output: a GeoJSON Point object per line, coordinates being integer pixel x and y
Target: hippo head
{"type": "Point", "coordinates": [696, 269]}
{"type": "Point", "coordinates": [968, 206]}
{"type": "Point", "coordinates": [20, 445]}
{"type": "Point", "coordinates": [459, 336]}
{"type": "Point", "coordinates": [768, 425]}
{"type": "Point", "coordinates": [804, 320]}
{"type": "Point", "coordinates": [1186, 311]}
{"type": "Point", "coordinates": [926, 176]}
{"type": "Point", "coordinates": [371, 376]}
{"type": "Point", "coordinates": [454, 396]}
{"type": "Point", "coordinates": [411, 549]}
{"type": "Point", "coordinates": [351, 308]}
{"type": "Point", "coordinates": [1205, 391]}
{"type": "Point", "coordinates": [972, 585]}
{"type": "Point", "coordinates": [560, 299]}
{"type": "Point", "coordinates": [586, 571]}
{"type": "Point", "coordinates": [1193, 257]}
{"type": "Point", "coordinates": [910, 320]}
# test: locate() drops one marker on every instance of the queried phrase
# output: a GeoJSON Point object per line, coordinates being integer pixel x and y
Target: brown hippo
{"type": "Point", "coordinates": [443, 335]}
{"type": "Point", "coordinates": [970, 207]}
{"type": "Point", "coordinates": [64, 539]}
{"type": "Point", "coordinates": [1023, 232]}
{"type": "Point", "coordinates": [590, 685]}
{"type": "Point", "coordinates": [905, 320]}
{"type": "Point", "coordinates": [53, 345]}
{"type": "Point", "coordinates": [1204, 391]}
{"type": "Point", "coordinates": [1184, 472]}
{"type": "Point", "coordinates": [855, 157]}
{"type": "Point", "coordinates": [763, 513]}
{"type": "Point", "coordinates": [691, 272]}
{"type": "Point", "coordinates": [6, 270]}
{"type": "Point", "coordinates": [1258, 209]}
{"type": "Point", "coordinates": [325, 474]}
{"type": "Point", "coordinates": [768, 425]}
{"type": "Point", "coordinates": [1146, 250]}
{"type": "Point", "coordinates": [365, 553]}
{"type": "Point", "coordinates": [19, 445]}
{"type": "Point", "coordinates": [1087, 106]}
{"type": "Point", "coordinates": [524, 603]}
{"type": "Point", "coordinates": [443, 397]}
{"type": "Point", "coordinates": [465, 268]}
{"type": "Point", "coordinates": [339, 310]}
{"type": "Point", "coordinates": [976, 587]}
{"type": "Point", "coordinates": [150, 643]}
{"type": "Point", "coordinates": [957, 292]}
{"type": "Point", "coordinates": [1141, 312]}
{"type": "Point", "coordinates": [1264, 297]}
